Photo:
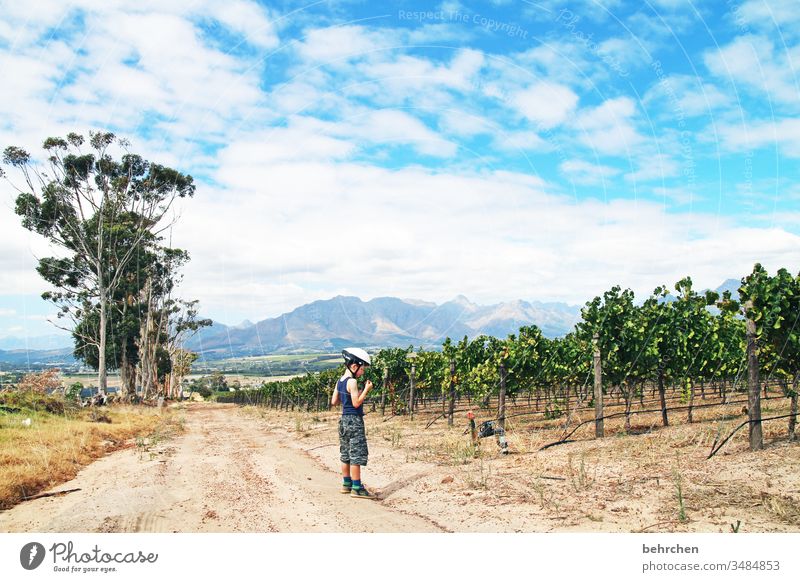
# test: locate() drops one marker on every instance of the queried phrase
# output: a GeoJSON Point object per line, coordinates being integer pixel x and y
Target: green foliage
{"type": "Point", "coordinates": [207, 385]}
{"type": "Point", "coordinates": [32, 401]}
{"type": "Point", "coordinates": [773, 303]}
{"type": "Point", "coordinates": [73, 393]}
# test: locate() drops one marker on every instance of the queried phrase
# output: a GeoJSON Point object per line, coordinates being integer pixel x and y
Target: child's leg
{"type": "Point", "coordinates": [355, 472]}
{"type": "Point", "coordinates": [346, 470]}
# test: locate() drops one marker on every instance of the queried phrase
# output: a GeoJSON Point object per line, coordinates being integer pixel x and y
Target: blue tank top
{"type": "Point", "coordinates": [346, 399]}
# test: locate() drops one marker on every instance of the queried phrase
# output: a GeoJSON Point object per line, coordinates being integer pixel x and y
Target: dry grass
{"type": "Point", "coordinates": [54, 447]}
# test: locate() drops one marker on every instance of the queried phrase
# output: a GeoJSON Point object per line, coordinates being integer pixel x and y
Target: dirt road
{"type": "Point", "coordinates": [254, 469]}
{"type": "Point", "coordinates": [228, 472]}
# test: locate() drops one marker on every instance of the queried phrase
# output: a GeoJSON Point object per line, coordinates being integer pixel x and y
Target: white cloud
{"type": "Point", "coordinates": [780, 134]}
{"type": "Point", "coordinates": [7, 312]}
{"type": "Point", "coordinates": [677, 196]}
{"type": "Point", "coordinates": [19, 251]}
{"type": "Point", "coordinates": [465, 123]}
{"type": "Point", "coordinates": [622, 54]}
{"type": "Point", "coordinates": [404, 75]}
{"type": "Point", "coordinates": [653, 167]}
{"type": "Point", "coordinates": [609, 128]}
{"type": "Point", "coordinates": [754, 63]}
{"type": "Point", "coordinates": [388, 128]}
{"type": "Point", "coordinates": [677, 97]}
{"type": "Point", "coordinates": [420, 233]}
{"type": "Point", "coordinates": [769, 14]}
{"type": "Point", "coordinates": [545, 104]}
{"type": "Point", "coordinates": [108, 65]}
{"type": "Point", "coordinates": [246, 18]}
{"type": "Point", "coordinates": [516, 141]}
{"type": "Point", "coordinates": [582, 172]}
{"type": "Point", "coordinates": [336, 45]}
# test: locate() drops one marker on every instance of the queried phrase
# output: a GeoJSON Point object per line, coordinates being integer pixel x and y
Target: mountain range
{"type": "Point", "coordinates": [331, 324]}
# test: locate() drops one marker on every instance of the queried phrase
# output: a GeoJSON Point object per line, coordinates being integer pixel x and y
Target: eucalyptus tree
{"type": "Point", "coordinates": [78, 202]}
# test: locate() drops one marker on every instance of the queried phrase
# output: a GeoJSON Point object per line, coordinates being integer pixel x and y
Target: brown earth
{"type": "Point", "coordinates": [258, 470]}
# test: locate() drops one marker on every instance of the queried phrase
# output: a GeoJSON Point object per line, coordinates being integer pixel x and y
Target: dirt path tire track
{"type": "Point", "coordinates": [226, 473]}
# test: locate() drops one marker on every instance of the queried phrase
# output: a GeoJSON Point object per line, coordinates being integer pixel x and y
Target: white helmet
{"type": "Point", "coordinates": [356, 356]}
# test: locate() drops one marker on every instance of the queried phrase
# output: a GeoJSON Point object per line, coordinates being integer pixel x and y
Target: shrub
{"type": "Point", "coordinates": [41, 382]}
{"type": "Point", "coordinates": [33, 401]}
{"type": "Point", "coordinates": [73, 393]}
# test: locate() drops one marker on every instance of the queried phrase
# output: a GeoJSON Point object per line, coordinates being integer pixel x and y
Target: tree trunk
{"type": "Point", "coordinates": [102, 374]}
{"type": "Point", "coordinates": [690, 416]}
{"type": "Point", "coordinates": [127, 373]}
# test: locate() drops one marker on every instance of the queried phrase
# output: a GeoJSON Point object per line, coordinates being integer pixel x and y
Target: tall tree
{"type": "Point", "coordinates": [79, 204]}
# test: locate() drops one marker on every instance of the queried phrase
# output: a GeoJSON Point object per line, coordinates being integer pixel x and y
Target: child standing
{"type": "Point", "coordinates": [353, 450]}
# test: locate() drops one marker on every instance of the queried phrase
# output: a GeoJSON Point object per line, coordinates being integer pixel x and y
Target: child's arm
{"type": "Point", "coordinates": [335, 395]}
{"type": "Point", "coordinates": [357, 396]}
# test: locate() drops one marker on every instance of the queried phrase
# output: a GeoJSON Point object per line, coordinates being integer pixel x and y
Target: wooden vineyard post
{"type": "Point", "coordinates": [754, 393]}
{"type": "Point", "coordinates": [662, 397]}
{"type": "Point", "coordinates": [412, 356]}
{"type": "Point", "coordinates": [473, 433]}
{"type": "Point", "coordinates": [793, 409]}
{"type": "Point", "coordinates": [452, 406]}
{"type": "Point", "coordinates": [501, 405]}
{"type": "Point", "coordinates": [599, 431]}
{"type": "Point", "coordinates": [383, 391]}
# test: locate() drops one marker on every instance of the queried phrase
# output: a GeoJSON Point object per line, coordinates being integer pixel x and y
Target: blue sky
{"type": "Point", "coordinates": [498, 149]}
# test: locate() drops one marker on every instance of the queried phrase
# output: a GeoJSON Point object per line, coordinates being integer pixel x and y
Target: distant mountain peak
{"type": "Point", "coordinates": [463, 301]}
{"type": "Point", "coordinates": [330, 324]}
{"type": "Point", "coordinates": [418, 302]}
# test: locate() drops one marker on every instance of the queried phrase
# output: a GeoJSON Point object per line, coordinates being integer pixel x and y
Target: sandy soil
{"type": "Point", "coordinates": [256, 470]}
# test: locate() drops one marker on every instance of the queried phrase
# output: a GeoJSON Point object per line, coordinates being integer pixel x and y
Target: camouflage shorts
{"type": "Point", "coordinates": [352, 440]}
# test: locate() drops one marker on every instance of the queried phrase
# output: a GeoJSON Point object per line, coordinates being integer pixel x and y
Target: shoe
{"type": "Point", "coordinates": [361, 493]}
{"type": "Point", "coordinates": [346, 488]}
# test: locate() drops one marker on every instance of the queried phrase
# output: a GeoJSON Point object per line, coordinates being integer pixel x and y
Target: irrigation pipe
{"type": "Point", "coordinates": [617, 414]}
{"type": "Point", "coordinates": [715, 448]}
